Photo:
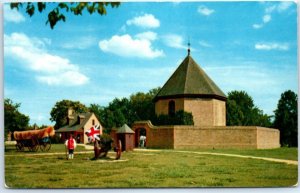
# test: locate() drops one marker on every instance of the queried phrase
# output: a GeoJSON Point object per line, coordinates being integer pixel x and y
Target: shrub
{"type": "Point", "coordinates": [180, 118]}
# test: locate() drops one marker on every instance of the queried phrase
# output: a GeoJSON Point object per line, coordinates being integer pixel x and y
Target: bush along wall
{"type": "Point", "coordinates": [179, 118]}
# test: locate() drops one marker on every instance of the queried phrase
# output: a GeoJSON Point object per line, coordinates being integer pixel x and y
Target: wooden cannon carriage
{"type": "Point", "coordinates": [34, 139]}
{"type": "Point", "coordinates": [103, 143]}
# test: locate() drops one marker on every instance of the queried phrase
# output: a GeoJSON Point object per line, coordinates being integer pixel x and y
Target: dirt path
{"type": "Point", "coordinates": [43, 154]}
{"type": "Point", "coordinates": [292, 162]}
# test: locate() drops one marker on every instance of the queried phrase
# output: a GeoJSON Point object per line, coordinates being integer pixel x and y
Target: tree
{"type": "Point", "coordinates": [117, 113]}
{"type": "Point", "coordinates": [59, 112]}
{"type": "Point", "coordinates": [240, 110]}
{"type": "Point", "coordinates": [286, 118]}
{"type": "Point", "coordinates": [13, 119]}
{"type": "Point", "coordinates": [139, 106]}
{"type": "Point", "coordinates": [143, 106]}
{"type": "Point", "coordinates": [234, 115]}
{"type": "Point", "coordinates": [120, 111]}
{"type": "Point", "coordinates": [57, 13]}
{"type": "Point", "coordinates": [98, 111]}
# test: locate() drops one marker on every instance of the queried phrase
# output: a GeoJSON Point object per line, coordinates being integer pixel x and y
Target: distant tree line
{"type": "Point", "coordinates": [240, 110]}
{"type": "Point", "coordinates": [138, 106]}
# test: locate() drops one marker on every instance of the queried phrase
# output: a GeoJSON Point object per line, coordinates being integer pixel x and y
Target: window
{"type": "Point", "coordinates": [172, 108]}
{"type": "Point", "coordinates": [93, 122]}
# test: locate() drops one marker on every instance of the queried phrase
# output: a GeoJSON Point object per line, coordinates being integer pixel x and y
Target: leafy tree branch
{"type": "Point", "coordinates": [57, 13]}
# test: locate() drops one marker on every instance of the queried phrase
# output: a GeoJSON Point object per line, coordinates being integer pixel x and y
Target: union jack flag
{"type": "Point", "coordinates": [94, 132]}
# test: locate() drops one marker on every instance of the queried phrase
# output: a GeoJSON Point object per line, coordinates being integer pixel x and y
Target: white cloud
{"type": "Point", "coordinates": [73, 78]}
{"type": "Point", "coordinates": [126, 46]}
{"type": "Point", "coordinates": [270, 9]}
{"type": "Point", "coordinates": [280, 7]}
{"type": "Point", "coordinates": [272, 46]}
{"type": "Point", "coordinates": [81, 43]}
{"type": "Point", "coordinates": [145, 21]}
{"type": "Point", "coordinates": [266, 18]}
{"type": "Point", "coordinates": [49, 68]}
{"type": "Point", "coordinates": [12, 15]}
{"type": "Point", "coordinates": [205, 44]}
{"type": "Point", "coordinates": [149, 35]}
{"type": "Point", "coordinates": [283, 6]}
{"type": "Point", "coordinates": [257, 26]}
{"type": "Point", "coordinates": [205, 11]}
{"type": "Point", "coordinates": [174, 41]}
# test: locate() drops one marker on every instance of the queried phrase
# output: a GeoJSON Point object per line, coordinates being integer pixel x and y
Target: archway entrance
{"type": "Point", "coordinates": [140, 138]}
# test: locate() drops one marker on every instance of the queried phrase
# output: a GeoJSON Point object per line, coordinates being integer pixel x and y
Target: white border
{"type": "Point", "coordinates": [190, 190]}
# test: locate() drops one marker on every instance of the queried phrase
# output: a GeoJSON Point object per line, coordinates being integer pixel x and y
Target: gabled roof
{"type": "Point", "coordinates": [190, 81]}
{"type": "Point", "coordinates": [125, 129]}
{"type": "Point", "coordinates": [75, 125]}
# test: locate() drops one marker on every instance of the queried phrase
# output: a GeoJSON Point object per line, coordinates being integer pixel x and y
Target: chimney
{"type": "Point", "coordinates": [70, 117]}
{"type": "Point", "coordinates": [70, 111]}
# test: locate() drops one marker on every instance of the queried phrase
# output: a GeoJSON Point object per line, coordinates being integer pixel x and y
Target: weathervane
{"type": "Point", "coordinates": [189, 44]}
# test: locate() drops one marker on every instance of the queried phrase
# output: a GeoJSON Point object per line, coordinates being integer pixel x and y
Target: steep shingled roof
{"type": "Point", "coordinates": [125, 129]}
{"type": "Point", "coordinates": [189, 80]}
{"type": "Point", "coordinates": [75, 125]}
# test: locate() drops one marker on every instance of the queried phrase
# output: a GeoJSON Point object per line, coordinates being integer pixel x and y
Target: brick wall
{"type": "Point", "coordinates": [267, 137]}
{"type": "Point", "coordinates": [156, 137]}
{"type": "Point", "coordinates": [248, 137]}
{"type": "Point", "coordinates": [206, 112]}
{"type": "Point", "coordinates": [180, 137]}
{"type": "Point", "coordinates": [215, 137]}
{"type": "Point", "coordinates": [219, 112]}
{"type": "Point", "coordinates": [161, 137]}
{"type": "Point", "coordinates": [162, 106]}
{"type": "Point", "coordinates": [202, 110]}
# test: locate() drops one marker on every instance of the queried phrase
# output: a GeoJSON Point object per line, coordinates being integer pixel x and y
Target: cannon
{"type": "Point", "coordinates": [103, 143]}
{"type": "Point", "coordinates": [34, 139]}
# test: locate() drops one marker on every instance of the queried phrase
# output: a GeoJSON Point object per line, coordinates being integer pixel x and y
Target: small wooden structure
{"type": "Point", "coordinates": [126, 135]}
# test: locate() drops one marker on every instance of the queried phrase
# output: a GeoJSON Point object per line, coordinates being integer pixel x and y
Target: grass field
{"type": "Point", "coordinates": [149, 169]}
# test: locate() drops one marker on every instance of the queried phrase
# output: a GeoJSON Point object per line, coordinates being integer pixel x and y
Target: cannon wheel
{"type": "Point", "coordinates": [34, 144]}
{"type": "Point", "coordinates": [19, 146]}
{"type": "Point", "coordinates": [45, 146]}
{"type": "Point", "coordinates": [118, 150]}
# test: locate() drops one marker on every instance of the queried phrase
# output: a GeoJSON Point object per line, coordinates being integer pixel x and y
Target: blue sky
{"type": "Point", "coordinates": [249, 46]}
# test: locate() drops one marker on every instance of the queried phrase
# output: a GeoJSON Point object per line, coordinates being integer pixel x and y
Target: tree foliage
{"type": "Point", "coordinates": [180, 118]}
{"type": "Point", "coordinates": [13, 119]}
{"type": "Point", "coordinates": [117, 113]}
{"type": "Point", "coordinates": [240, 110]}
{"type": "Point", "coordinates": [143, 105]}
{"type": "Point", "coordinates": [138, 106]}
{"type": "Point", "coordinates": [286, 118]}
{"type": "Point", "coordinates": [58, 12]}
{"type": "Point", "coordinates": [59, 112]}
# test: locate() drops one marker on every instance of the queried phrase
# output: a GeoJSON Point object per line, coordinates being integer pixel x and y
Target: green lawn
{"type": "Point", "coordinates": [280, 153]}
{"type": "Point", "coordinates": [149, 169]}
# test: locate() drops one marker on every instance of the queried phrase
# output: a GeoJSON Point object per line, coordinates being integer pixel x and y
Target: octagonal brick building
{"type": "Point", "coordinates": [192, 90]}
